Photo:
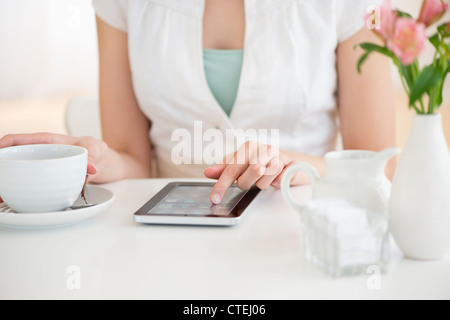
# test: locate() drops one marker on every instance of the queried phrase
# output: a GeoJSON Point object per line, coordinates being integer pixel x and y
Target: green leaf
{"type": "Point", "coordinates": [446, 48]}
{"type": "Point", "coordinates": [427, 79]}
{"type": "Point", "coordinates": [445, 69]}
{"type": "Point", "coordinates": [403, 14]}
{"type": "Point", "coordinates": [362, 60]}
{"type": "Point", "coordinates": [370, 47]}
{"type": "Point", "coordinates": [435, 41]}
{"type": "Point", "coordinates": [444, 29]}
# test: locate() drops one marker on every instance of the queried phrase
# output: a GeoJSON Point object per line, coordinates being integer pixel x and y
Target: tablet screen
{"type": "Point", "coordinates": [195, 201]}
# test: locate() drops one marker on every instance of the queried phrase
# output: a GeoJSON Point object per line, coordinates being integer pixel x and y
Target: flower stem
{"type": "Point", "coordinates": [416, 109]}
{"type": "Point", "coordinates": [405, 86]}
{"type": "Point", "coordinates": [422, 106]}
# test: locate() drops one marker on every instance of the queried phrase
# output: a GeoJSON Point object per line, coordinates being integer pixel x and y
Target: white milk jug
{"type": "Point", "coordinates": [352, 175]}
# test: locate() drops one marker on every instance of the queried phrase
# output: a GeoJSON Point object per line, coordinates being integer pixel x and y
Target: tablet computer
{"type": "Point", "coordinates": [188, 203]}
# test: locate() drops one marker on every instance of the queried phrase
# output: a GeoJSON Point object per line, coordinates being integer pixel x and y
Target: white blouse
{"type": "Point", "coordinates": [288, 80]}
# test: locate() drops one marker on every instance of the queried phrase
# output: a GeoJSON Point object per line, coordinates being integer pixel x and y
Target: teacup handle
{"type": "Point", "coordinates": [312, 173]}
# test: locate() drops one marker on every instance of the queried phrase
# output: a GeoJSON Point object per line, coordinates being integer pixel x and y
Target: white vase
{"type": "Point", "coordinates": [420, 199]}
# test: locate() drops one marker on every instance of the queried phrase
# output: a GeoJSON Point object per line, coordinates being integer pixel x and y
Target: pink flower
{"type": "Point", "coordinates": [383, 21]}
{"type": "Point", "coordinates": [432, 11]}
{"type": "Point", "coordinates": [408, 41]}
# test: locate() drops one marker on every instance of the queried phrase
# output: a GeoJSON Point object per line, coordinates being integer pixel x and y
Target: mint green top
{"type": "Point", "coordinates": [223, 72]}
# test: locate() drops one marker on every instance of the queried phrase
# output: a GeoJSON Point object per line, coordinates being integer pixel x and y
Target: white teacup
{"type": "Point", "coordinates": [42, 178]}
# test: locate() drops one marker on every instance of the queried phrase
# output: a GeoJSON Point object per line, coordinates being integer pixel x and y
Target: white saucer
{"type": "Point", "coordinates": [96, 195]}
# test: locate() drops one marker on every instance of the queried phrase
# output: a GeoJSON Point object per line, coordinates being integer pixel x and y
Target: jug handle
{"type": "Point", "coordinates": [312, 173]}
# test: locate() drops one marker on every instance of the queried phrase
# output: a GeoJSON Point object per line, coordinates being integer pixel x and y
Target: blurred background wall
{"type": "Point", "coordinates": [47, 47]}
{"type": "Point", "coordinates": [48, 54]}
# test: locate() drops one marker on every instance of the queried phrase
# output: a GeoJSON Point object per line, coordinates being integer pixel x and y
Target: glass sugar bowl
{"type": "Point", "coordinates": [344, 240]}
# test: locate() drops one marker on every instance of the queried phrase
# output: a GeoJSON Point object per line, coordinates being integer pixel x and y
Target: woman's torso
{"type": "Point", "coordinates": [287, 84]}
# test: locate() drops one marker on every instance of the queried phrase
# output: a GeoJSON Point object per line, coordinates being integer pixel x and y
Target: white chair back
{"type": "Point", "coordinates": [83, 117]}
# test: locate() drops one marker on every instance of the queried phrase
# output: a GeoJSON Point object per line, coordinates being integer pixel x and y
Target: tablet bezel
{"type": "Point", "coordinates": [234, 217]}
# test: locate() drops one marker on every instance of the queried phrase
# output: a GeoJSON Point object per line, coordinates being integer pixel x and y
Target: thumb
{"type": "Point", "coordinates": [91, 168]}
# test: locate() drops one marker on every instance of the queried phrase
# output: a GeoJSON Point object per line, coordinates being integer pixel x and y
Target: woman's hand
{"type": "Point", "coordinates": [95, 147]}
{"type": "Point", "coordinates": [254, 163]}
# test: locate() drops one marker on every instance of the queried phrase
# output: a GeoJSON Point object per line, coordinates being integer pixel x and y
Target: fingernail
{"type": "Point", "coordinates": [276, 184]}
{"type": "Point", "coordinates": [92, 169]}
{"type": "Point", "coordinates": [216, 199]}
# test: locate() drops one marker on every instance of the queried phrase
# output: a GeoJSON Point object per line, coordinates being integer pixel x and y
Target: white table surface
{"type": "Point", "coordinates": [261, 258]}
